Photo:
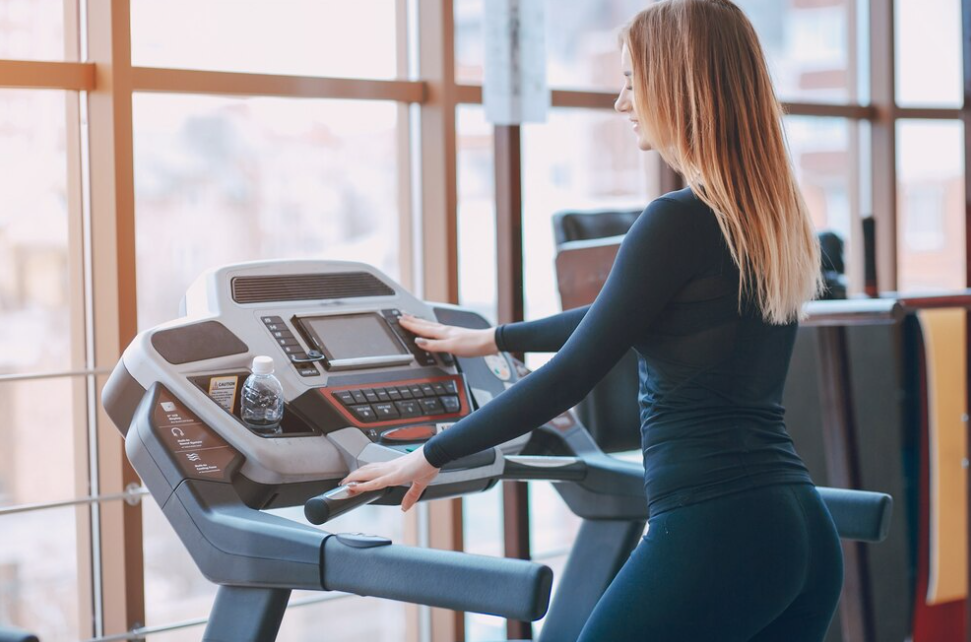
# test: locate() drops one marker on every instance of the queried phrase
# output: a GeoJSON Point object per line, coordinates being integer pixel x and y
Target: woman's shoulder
{"type": "Point", "coordinates": [684, 200]}
{"type": "Point", "coordinates": [679, 210]}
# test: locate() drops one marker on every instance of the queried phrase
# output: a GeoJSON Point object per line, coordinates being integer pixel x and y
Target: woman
{"type": "Point", "coordinates": [707, 287]}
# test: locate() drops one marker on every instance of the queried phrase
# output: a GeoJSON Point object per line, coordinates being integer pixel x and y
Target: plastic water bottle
{"type": "Point", "coordinates": [261, 407]}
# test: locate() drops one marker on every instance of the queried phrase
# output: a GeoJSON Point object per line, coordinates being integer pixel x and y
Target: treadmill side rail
{"type": "Point", "coordinates": [121, 396]}
{"type": "Point", "coordinates": [188, 469]}
{"type": "Point", "coordinates": [510, 588]}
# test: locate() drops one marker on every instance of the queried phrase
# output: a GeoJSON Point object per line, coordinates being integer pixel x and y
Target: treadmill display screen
{"type": "Point", "coordinates": [353, 336]}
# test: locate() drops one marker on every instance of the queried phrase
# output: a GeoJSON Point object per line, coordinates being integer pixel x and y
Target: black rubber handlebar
{"type": "Point", "coordinates": [337, 501]}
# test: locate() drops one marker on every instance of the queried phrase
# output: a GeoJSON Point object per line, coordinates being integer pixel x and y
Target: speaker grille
{"type": "Point", "coordinates": [307, 287]}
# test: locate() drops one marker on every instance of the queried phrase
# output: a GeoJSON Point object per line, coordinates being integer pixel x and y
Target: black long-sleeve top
{"type": "Point", "coordinates": [711, 370]}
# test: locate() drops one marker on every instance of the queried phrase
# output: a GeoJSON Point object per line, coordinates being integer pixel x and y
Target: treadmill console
{"type": "Point", "coordinates": [357, 387]}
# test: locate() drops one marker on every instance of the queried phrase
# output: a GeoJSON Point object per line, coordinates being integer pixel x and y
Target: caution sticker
{"type": "Point", "coordinates": [222, 390]}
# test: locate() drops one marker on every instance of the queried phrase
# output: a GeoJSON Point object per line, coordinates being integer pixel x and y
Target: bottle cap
{"type": "Point", "coordinates": [262, 365]}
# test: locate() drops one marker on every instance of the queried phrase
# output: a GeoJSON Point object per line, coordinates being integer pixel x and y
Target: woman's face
{"type": "Point", "coordinates": [625, 101]}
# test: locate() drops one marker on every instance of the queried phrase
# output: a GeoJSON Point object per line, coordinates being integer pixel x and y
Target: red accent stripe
{"type": "Point", "coordinates": [329, 394]}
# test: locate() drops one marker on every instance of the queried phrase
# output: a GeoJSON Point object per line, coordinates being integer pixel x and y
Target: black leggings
{"type": "Point", "coordinates": [763, 564]}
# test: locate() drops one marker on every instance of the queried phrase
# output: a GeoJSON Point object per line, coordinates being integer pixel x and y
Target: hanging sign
{"type": "Point", "coordinates": [514, 89]}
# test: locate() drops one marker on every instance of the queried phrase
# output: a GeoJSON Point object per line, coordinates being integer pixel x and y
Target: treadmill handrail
{"type": "Point", "coordinates": [509, 588]}
{"type": "Point", "coordinates": [337, 501]}
{"type": "Point", "coordinates": [859, 515]}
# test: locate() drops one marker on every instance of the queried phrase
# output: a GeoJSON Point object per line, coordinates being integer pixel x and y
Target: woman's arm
{"type": "Point", "coordinates": [548, 334]}
{"type": "Point", "coordinates": [543, 335]}
{"type": "Point", "coordinates": [666, 246]}
{"type": "Point", "coordinates": [663, 249]}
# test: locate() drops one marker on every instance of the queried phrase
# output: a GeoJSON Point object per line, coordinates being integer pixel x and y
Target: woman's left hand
{"type": "Point", "coordinates": [413, 468]}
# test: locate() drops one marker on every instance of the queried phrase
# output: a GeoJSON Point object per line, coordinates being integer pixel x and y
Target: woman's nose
{"type": "Point", "coordinates": [622, 104]}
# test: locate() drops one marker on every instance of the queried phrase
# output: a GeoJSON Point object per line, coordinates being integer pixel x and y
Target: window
{"type": "Point", "coordinates": [578, 159]}
{"type": "Point", "coordinates": [928, 60]}
{"type": "Point", "coordinates": [39, 572]}
{"type": "Point", "coordinates": [826, 159]}
{"type": "Point", "coordinates": [223, 180]}
{"type": "Point", "coordinates": [810, 47]}
{"type": "Point", "coordinates": [476, 212]}
{"type": "Point", "coordinates": [582, 48]}
{"type": "Point", "coordinates": [38, 559]}
{"type": "Point", "coordinates": [34, 280]}
{"type": "Point", "coordinates": [924, 227]}
{"type": "Point", "coordinates": [930, 205]}
{"type": "Point", "coordinates": [32, 29]}
{"type": "Point", "coordinates": [220, 179]}
{"type": "Point", "coordinates": [300, 37]}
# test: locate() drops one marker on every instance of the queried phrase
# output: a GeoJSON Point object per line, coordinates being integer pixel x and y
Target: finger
{"type": "Point", "coordinates": [413, 319]}
{"type": "Point", "coordinates": [424, 328]}
{"type": "Point", "coordinates": [356, 487]}
{"type": "Point", "coordinates": [369, 486]}
{"type": "Point", "coordinates": [434, 345]}
{"type": "Point", "coordinates": [413, 495]}
{"type": "Point", "coordinates": [356, 477]}
{"type": "Point", "coordinates": [417, 321]}
{"type": "Point", "coordinates": [363, 474]}
{"type": "Point", "coordinates": [426, 332]}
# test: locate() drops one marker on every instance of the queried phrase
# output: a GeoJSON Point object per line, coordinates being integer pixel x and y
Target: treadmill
{"type": "Point", "coordinates": [358, 390]}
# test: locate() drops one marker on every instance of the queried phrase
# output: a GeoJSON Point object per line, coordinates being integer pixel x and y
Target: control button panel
{"type": "Point", "coordinates": [401, 402]}
{"type": "Point", "coordinates": [290, 346]}
{"type": "Point", "coordinates": [423, 357]}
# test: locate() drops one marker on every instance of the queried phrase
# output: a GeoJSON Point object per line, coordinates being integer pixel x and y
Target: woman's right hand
{"type": "Point", "coordinates": [462, 342]}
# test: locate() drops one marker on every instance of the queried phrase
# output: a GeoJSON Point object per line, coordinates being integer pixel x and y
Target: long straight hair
{"type": "Point", "coordinates": [702, 91]}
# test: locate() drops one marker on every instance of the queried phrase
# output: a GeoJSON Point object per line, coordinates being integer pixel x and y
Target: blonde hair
{"type": "Point", "coordinates": [702, 91]}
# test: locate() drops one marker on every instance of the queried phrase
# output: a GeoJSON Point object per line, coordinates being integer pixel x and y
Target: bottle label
{"type": "Point", "coordinates": [222, 390]}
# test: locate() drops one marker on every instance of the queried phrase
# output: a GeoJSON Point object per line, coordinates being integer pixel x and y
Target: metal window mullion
{"type": "Point", "coordinates": [131, 496]}
{"type": "Point", "coordinates": [91, 420]}
{"type": "Point", "coordinates": [85, 372]}
{"type": "Point", "coordinates": [81, 372]}
{"type": "Point", "coordinates": [883, 147]}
